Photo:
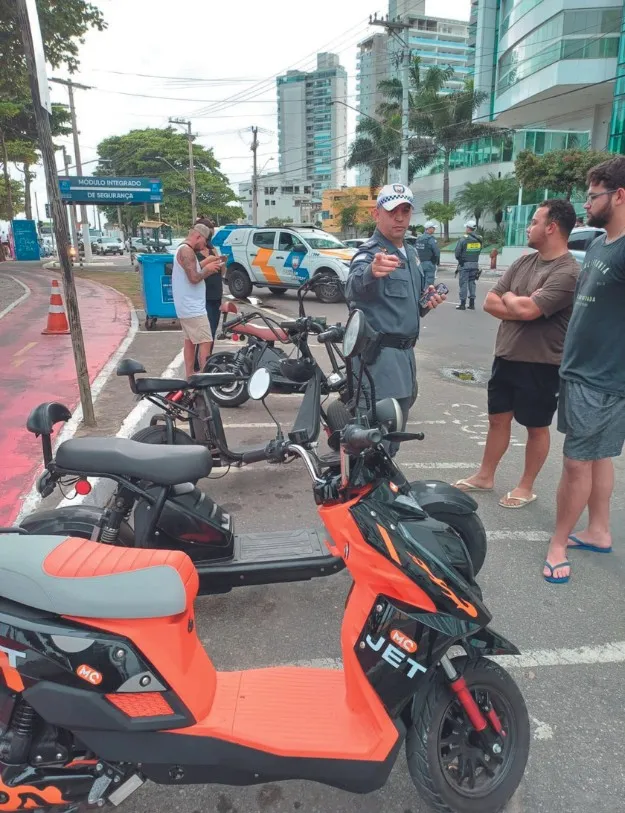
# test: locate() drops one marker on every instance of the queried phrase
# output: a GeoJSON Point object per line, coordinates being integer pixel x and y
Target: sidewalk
{"type": "Point", "coordinates": [36, 368]}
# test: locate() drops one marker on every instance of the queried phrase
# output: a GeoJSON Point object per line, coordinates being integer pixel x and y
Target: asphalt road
{"type": "Point", "coordinates": [572, 637]}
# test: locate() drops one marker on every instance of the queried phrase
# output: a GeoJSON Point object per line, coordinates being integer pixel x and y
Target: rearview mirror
{"type": "Point", "coordinates": [259, 384]}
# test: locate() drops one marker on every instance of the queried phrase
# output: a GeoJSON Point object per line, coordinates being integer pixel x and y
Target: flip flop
{"type": "Point", "coordinates": [523, 501]}
{"type": "Point", "coordinates": [465, 485]}
{"type": "Point", "coordinates": [553, 579]}
{"type": "Point", "coordinates": [588, 546]}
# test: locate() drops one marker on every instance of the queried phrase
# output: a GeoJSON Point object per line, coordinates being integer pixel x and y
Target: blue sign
{"type": "Point", "coordinates": [167, 293]}
{"type": "Point", "coordinates": [26, 240]}
{"type": "Point", "coordinates": [110, 191]}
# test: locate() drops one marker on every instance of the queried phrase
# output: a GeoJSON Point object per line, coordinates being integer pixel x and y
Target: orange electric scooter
{"type": "Point", "coordinates": [106, 684]}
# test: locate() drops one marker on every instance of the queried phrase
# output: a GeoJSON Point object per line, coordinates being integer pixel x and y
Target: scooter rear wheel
{"type": "Point", "coordinates": [228, 395]}
{"type": "Point", "coordinates": [449, 766]}
{"type": "Point", "coordinates": [158, 435]}
{"type": "Point", "coordinates": [470, 529]}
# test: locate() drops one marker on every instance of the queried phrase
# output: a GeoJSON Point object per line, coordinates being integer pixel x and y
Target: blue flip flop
{"type": "Point", "coordinates": [552, 579]}
{"type": "Point", "coordinates": [588, 546]}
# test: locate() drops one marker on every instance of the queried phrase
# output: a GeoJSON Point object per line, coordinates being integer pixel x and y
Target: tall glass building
{"type": "Point", "coordinates": [551, 65]}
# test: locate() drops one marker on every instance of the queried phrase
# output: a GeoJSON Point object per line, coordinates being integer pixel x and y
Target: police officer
{"type": "Point", "coordinates": [385, 282]}
{"type": "Point", "coordinates": [429, 252]}
{"type": "Point", "coordinates": [468, 250]}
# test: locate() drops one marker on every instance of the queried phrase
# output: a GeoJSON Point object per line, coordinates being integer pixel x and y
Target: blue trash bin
{"type": "Point", "coordinates": [158, 298]}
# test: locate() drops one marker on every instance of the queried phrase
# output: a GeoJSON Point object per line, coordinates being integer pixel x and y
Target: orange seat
{"type": "Point", "coordinates": [228, 307]}
{"type": "Point", "coordinates": [264, 333]}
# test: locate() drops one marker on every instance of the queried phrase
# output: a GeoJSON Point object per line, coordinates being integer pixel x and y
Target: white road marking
{"type": "Point", "coordinates": [270, 425]}
{"type": "Point", "coordinates": [402, 465]}
{"type": "Point", "coordinates": [582, 656]}
{"type": "Point", "coordinates": [518, 536]}
{"type": "Point", "coordinates": [19, 300]}
{"type": "Point", "coordinates": [542, 731]}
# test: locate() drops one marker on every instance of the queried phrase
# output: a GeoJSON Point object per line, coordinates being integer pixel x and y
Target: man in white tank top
{"type": "Point", "coordinates": [189, 295]}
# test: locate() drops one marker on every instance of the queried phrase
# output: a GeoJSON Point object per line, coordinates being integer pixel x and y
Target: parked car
{"type": "Point", "coordinates": [356, 242]}
{"type": "Point", "coordinates": [283, 258]}
{"type": "Point", "coordinates": [109, 245]}
{"type": "Point", "coordinates": [580, 240]}
{"type": "Point", "coordinates": [175, 245]}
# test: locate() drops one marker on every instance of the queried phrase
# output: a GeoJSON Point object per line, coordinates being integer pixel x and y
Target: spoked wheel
{"type": "Point", "coordinates": [449, 765]}
{"type": "Point", "coordinates": [227, 395]}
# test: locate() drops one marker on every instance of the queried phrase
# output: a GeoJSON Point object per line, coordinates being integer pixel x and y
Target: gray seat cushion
{"type": "Point", "coordinates": [88, 579]}
{"type": "Point", "coordinates": [165, 465]}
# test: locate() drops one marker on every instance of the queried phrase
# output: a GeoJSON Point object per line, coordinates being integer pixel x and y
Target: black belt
{"type": "Point", "coordinates": [398, 342]}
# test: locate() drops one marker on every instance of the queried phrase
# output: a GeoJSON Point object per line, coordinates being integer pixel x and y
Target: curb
{"type": "Point", "coordinates": [19, 300]}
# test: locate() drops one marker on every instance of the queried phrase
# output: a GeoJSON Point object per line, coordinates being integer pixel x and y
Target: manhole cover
{"type": "Point", "coordinates": [466, 375]}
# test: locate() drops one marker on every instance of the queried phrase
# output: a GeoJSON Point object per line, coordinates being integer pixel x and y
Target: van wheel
{"type": "Point", "coordinates": [329, 288]}
{"type": "Point", "coordinates": [239, 283]}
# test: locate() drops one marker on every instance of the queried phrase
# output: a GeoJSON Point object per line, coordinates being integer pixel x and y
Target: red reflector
{"type": "Point", "coordinates": [141, 704]}
{"type": "Point", "coordinates": [83, 487]}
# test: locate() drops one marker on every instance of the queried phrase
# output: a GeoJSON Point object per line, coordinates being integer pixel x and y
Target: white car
{"type": "Point", "coordinates": [109, 245]}
{"type": "Point", "coordinates": [580, 240]}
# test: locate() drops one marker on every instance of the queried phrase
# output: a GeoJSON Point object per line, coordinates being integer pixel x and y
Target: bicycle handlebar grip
{"type": "Point", "coordinates": [290, 326]}
{"type": "Point", "coordinates": [332, 334]}
{"type": "Point", "coordinates": [358, 439]}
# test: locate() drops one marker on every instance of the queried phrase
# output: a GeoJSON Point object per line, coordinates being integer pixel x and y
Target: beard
{"type": "Point", "coordinates": [600, 219]}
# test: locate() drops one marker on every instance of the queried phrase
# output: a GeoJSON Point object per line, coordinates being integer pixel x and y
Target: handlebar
{"type": "Point", "coordinates": [331, 335]}
{"type": "Point", "coordinates": [359, 439]}
{"type": "Point", "coordinates": [302, 325]}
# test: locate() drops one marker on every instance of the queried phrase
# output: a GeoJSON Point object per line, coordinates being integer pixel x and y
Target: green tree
{"type": "Point", "coordinates": [443, 212]}
{"type": "Point", "coordinates": [164, 153]}
{"type": "Point", "coordinates": [472, 200]}
{"type": "Point", "coordinates": [367, 226]}
{"type": "Point", "coordinates": [16, 193]}
{"type": "Point", "coordinates": [500, 193]}
{"type": "Point", "coordinates": [277, 222]}
{"type": "Point", "coordinates": [441, 123]}
{"type": "Point", "coordinates": [562, 172]}
{"type": "Point", "coordinates": [348, 210]}
{"type": "Point", "coordinates": [63, 27]}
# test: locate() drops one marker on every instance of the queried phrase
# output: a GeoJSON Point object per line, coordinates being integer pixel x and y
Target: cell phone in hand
{"type": "Point", "coordinates": [440, 289]}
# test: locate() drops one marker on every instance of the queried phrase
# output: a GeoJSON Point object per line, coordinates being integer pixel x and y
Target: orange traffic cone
{"type": "Point", "coordinates": [57, 320]}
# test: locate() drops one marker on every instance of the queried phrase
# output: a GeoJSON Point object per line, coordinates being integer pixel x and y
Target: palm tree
{"type": "Point", "coordinates": [472, 199]}
{"type": "Point", "coordinates": [500, 192]}
{"type": "Point", "coordinates": [441, 121]}
{"type": "Point", "coordinates": [377, 146]}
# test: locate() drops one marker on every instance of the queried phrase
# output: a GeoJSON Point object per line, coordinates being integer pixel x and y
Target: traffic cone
{"type": "Point", "coordinates": [57, 320]}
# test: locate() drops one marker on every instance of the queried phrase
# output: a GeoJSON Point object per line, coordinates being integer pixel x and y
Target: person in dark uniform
{"type": "Point", "coordinates": [386, 282]}
{"type": "Point", "coordinates": [468, 250]}
{"type": "Point", "coordinates": [429, 252]}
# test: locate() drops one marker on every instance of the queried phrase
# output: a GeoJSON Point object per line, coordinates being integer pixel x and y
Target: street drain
{"type": "Point", "coordinates": [466, 375]}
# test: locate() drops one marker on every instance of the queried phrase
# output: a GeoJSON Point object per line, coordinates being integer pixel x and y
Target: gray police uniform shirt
{"type": "Point", "coordinates": [390, 305]}
{"type": "Point", "coordinates": [428, 250]}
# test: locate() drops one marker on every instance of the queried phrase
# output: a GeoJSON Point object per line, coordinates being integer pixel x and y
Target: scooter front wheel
{"type": "Point", "coordinates": [450, 767]}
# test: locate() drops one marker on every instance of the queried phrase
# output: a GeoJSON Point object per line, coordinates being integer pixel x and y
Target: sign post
{"type": "Point", "coordinates": [110, 191]}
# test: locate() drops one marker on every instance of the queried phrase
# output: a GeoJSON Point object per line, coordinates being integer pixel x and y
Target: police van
{"type": "Point", "coordinates": [283, 258]}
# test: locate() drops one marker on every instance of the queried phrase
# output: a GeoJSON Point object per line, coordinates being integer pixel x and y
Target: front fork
{"type": "Point", "coordinates": [485, 721]}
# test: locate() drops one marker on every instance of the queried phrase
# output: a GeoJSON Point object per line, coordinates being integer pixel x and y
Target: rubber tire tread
{"type": "Point", "coordinates": [418, 735]}
{"type": "Point", "coordinates": [469, 526]}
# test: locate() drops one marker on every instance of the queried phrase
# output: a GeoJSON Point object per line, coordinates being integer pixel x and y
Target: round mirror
{"type": "Point", "coordinates": [259, 384]}
{"type": "Point", "coordinates": [354, 333]}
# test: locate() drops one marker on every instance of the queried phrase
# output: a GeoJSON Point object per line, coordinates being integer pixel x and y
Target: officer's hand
{"type": "Point", "coordinates": [436, 299]}
{"type": "Point", "coordinates": [384, 264]}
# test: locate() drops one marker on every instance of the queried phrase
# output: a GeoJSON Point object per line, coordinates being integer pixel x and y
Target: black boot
{"type": "Point", "coordinates": [462, 306]}
{"type": "Point", "coordinates": [471, 304]}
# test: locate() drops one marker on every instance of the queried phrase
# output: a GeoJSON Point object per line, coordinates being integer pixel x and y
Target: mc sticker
{"type": "Point", "coordinates": [90, 675]}
{"type": "Point", "coordinates": [403, 641]}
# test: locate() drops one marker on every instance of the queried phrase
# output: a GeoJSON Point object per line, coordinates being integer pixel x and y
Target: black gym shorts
{"type": "Point", "coordinates": [526, 388]}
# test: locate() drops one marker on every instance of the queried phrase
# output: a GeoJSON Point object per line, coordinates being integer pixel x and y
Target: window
{"type": "Point", "coordinates": [290, 242]}
{"type": "Point", "coordinates": [273, 203]}
{"type": "Point", "coordinates": [266, 203]}
{"type": "Point", "coordinates": [264, 239]}
{"type": "Point", "coordinates": [581, 240]}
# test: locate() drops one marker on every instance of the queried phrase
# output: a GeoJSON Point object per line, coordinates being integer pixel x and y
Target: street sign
{"type": "Point", "coordinates": [25, 240]}
{"type": "Point", "coordinates": [112, 191]}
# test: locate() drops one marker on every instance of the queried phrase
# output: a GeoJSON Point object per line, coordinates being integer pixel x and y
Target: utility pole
{"type": "Point", "coordinates": [396, 27]}
{"type": "Point", "coordinates": [72, 208]}
{"type": "Point", "coordinates": [187, 124]}
{"type": "Point", "coordinates": [254, 149]}
{"type": "Point", "coordinates": [83, 208]}
{"type": "Point", "coordinates": [35, 63]}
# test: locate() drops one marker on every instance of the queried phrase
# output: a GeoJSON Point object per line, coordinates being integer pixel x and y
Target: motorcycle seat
{"type": "Point", "coordinates": [200, 381]}
{"type": "Point", "coordinates": [148, 385]}
{"type": "Point", "coordinates": [264, 333]}
{"type": "Point", "coordinates": [162, 465]}
{"type": "Point", "coordinates": [76, 577]}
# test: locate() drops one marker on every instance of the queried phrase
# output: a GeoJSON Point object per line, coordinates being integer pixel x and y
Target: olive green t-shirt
{"type": "Point", "coordinates": [539, 340]}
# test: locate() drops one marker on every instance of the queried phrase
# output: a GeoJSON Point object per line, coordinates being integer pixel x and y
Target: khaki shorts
{"type": "Point", "coordinates": [196, 329]}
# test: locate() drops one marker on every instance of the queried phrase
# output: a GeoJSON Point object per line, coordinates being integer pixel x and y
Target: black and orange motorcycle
{"type": "Point", "coordinates": [105, 684]}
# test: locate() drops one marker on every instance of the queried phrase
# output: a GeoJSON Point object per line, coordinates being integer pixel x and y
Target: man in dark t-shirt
{"type": "Point", "coordinates": [533, 300]}
{"type": "Point", "coordinates": [591, 412]}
